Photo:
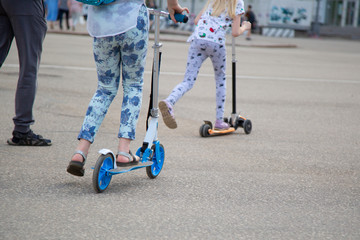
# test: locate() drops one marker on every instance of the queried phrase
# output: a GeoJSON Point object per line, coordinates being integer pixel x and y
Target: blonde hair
{"type": "Point", "coordinates": [220, 6]}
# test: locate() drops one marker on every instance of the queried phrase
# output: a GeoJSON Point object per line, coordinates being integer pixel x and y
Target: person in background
{"type": "Point", "coordinates": [75, 9]}
{"type": "Point", "coordinates": [64, 9]}
{"type": "Point", "coordinates": [85, 11]}
{"type": "Point", "coordinates": [151, 4]}
{"type": "Point", "coordinates": [25, 21]}
{"type": "Point", "coordinates": [250, 16]}
{"type": "Point", "coordinates": [52, 12]}
{"type": "Point", "coordinates": [208, 41]}
{"type": "Point", "coordinates": [120, 32]}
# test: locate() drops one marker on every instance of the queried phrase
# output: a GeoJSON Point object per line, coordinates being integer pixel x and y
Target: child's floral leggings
{"type": "Point", "coordinates": [199, 51]}
{"type": "Point", "coordinates": [127, 51]}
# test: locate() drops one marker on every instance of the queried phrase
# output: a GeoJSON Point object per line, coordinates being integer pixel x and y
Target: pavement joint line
{"type": "Point", "coordinates": [342, 81]}
{"type": "Point", "coordinates": [171, 38]}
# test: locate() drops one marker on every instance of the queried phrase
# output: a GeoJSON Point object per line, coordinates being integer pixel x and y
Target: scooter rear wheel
{"type": "Point", "coordinates": [247, 125]}
{"type": "Point", "coordinates": [101, 179]}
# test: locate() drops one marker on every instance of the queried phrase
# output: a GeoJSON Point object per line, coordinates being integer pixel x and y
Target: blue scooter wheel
{"type": "Point", "coordinates": [101, 178]}
{"type": "Point", "coordinates": [154, 170]}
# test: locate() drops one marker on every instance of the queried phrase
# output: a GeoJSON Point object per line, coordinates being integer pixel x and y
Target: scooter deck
{"type": "Point", "coordinates": [130, 168]}
{"type": "Point", "coordinates": [215, 131]}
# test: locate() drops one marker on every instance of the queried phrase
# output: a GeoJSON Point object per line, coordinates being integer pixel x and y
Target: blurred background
{"type": "Point", "coordinates": [274, 18]}
{"type": "Point", "coordinates": [314, 17]}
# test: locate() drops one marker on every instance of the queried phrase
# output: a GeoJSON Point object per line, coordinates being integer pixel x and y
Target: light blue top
{"type": "Point", "coordinates": [113, 19]}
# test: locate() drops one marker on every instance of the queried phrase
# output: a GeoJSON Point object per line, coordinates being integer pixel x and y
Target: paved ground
{"type": "Point", "coordinates": [296, 176]}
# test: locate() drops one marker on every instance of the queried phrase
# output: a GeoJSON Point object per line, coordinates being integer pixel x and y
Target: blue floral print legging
{"type": "Point", "coordinates": [127, 51]}
{"type": "Point", "coordinates": [199, 51]}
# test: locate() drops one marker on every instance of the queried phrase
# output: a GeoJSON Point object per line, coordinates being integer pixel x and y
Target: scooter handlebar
{"type": "Point", "coordinates": [180, 17]}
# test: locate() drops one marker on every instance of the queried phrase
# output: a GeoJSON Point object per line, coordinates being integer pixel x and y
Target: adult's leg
{"type": "Point", "coordinates": [61, 13]}
{"type": "Point", "coordinates": [28, 24]}
{"type": "Point", "coordinates": [67, 19]}
{"type": "Point", "coordinates": [29, 31]}
{"type": "Point", "coordinates": [6, 36]}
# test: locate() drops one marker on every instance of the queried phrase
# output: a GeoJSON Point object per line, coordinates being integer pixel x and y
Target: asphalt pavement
{"type": "Point", "coordinates": [296, 176]}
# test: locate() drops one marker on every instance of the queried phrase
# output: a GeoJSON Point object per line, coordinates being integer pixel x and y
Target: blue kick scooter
{"type": "Point", "coordinates": [152, 153]}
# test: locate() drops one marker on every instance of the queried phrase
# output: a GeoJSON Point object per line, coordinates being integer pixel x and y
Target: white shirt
{"type": "Point", "coordinates": [114, 18]}
{"type": "Point", "coordinates": [214, 28]}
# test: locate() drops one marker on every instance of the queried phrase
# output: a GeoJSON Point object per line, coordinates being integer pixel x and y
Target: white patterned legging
{"type": "Point", "coordinates": [127, 51]}
{"type": "Point", "coordinates": [199, 51]}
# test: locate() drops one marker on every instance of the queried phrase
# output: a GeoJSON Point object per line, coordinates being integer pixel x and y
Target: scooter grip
{"type": "Point", "coordinates": [180, 17]}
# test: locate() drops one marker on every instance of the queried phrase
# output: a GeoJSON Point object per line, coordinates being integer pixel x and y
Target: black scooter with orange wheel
{"type": "Point", "coordinates": [235, 120]}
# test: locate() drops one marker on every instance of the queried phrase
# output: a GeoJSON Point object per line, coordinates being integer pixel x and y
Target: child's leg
{"type": "Point", "coordinates": [218, 58]}
{"type": "Point", "coordinates": [133, 56]}
{"type": "Point", "coordinates": [196, 56]}
{"type": "Point", "coordinates": [107, 57]}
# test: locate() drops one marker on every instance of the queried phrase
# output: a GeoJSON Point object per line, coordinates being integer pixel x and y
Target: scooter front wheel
{"type": "Point", "coordinates": [101, 178]}
{"type": "Point", "coordinates": [204, 130]}
{"type": "Point", "coordinates": [158, 161]}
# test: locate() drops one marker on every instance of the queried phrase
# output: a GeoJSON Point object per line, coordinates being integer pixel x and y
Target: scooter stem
{"type": "Point", "coordinates": [157, 45]}
{"type": "Point", "coordinates": [233, 77]}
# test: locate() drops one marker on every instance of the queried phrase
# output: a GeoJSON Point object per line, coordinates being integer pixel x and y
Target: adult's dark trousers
{"type": "Point", "coordinates": [24, 20]}
{"type": "Point", "coordinates": [61, 13]}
